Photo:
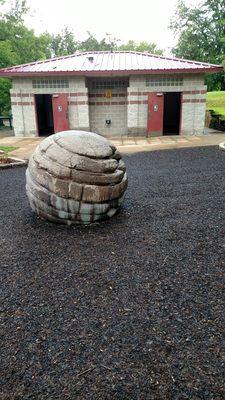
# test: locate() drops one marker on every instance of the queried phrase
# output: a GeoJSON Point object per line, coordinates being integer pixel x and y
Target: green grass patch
{"type": "Point", "coordinates": [8, 149]}
{"type": "Point", "coordinates": [216, 101]}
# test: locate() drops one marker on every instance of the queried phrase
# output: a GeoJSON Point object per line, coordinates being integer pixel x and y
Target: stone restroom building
{"type": "Point", "coordinates": [111, 93]}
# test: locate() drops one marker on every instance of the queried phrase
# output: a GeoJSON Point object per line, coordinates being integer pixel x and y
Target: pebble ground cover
{"type": "Point", "coordinates": [128, 309]}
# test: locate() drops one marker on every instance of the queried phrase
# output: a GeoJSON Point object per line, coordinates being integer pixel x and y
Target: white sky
{"type": "Point", "coordinates": [138, 20]}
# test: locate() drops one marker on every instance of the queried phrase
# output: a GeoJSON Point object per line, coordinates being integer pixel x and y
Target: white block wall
{"type": "Point", "coordinates": [128, 112]}
{"type": "Point", "coordinates": [193, 103]}
{"type": "Point", "coordinates": [114, 108]}
{"type": "Point", "coordinates": [23, 108]}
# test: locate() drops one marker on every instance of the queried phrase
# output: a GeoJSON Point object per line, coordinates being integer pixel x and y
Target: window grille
{"type": "Point", "coordinates": [50, 83]}
{"type": "Point", "coordinates": [108, 83]}
{"type": "Point", "coordinates": [164, 80]}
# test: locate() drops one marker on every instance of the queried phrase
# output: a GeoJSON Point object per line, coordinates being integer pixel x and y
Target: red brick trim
{"type": "Point", "coordinates": [25, 103]}
{"type": "Point", "coordinates": [195, 92]}
{"type": "Point", "coordinates": [107, 103]}
{"type": "Point", "coordinates": [21, 95]}
{"type": "Point", "coordinates": [184, 92]}
{"type": "Point", "coordinates": [138, 93]}
{"type": "Point", "coordinates": [116, 103]}
{"type": "Point", "coordinates": [193, 100]}
{"type": "Point", "coordinates": [77, 103]}
{"type": "Point", "coordinates": [20, 103]}
{"type": "Point", "coordinates": [138, 102]}
{"type": "Point", "coordinates": [78, 94]}
{"type": "Point", "coordinates": [103, 95]}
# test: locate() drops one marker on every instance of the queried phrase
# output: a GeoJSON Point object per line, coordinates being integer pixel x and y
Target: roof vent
{"type": "Point", "coordinates": [90, 58]}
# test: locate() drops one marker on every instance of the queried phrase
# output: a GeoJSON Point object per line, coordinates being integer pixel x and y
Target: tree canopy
{"type": "Point", "coordinates": [200, 31]}
{"type": "Point", "coordinates": [141, 46]}
{"type": "Point", "coordinates": [201, 35]}
{"type": "Point", "coordinates": [65, 43]}
{"type": "Point", "coordinates": [19, 45]}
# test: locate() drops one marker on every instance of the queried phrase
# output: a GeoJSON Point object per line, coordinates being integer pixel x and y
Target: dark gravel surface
{"type": "Point", "coordinates": [129, 309]}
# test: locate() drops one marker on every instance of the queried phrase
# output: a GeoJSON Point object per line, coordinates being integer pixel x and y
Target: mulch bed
{"type": "Point", "coordinates": [5, 160]}
{"type": "Point", "coordinates": [129, 309]}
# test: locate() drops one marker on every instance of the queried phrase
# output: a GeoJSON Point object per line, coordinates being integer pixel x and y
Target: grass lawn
{"type": "Point", "coordinates": [8, 149]}
{"type": "Point", "coordinates": [216, 101]}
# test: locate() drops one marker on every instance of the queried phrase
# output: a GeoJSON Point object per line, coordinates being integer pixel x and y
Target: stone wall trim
{"type": "Point", "coordinates": [195, 91]}
{"type": "Point", "coordinates": [20, 103]}
{"type": "Point", "coordinates": [194, 101]}
{"type": "Point", "coordinates": [103, 95]}
{"type": "Point", "coordinates": [77, 103]}
{"type": "Point", "coordinates": [107, 103]}
{"type": "Point", "coordinates": [78, 94]}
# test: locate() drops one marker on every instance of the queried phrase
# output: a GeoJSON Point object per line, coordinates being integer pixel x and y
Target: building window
{"type": "Point", "coordinates": [108, 83]}
{"type": "Point", "coordinates": [50, 83]}
{"type": "Point", "coordinates": [164, 80]}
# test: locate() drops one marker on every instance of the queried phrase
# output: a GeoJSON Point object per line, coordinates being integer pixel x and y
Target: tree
{"type": "Point", "coordinates": [18, 45]}
{"type": "Point", "coordinates": [5, 86]}
{"type": "Point", "coordinates": [92, 43]}
{"type": "Point", "coordinates": [17, 12]}
{"type": "Point", "coordinates": [63, 43]}
{"type": "Point", "coordinates": [141, 46]}
{"type": "Point", "coordinates": [201, 33]}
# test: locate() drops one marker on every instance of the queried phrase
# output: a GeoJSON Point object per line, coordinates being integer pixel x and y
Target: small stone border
{"type": "Point", "coordinates": [17, 162]}
{"type": "Point", "coordinates": [222, 146]}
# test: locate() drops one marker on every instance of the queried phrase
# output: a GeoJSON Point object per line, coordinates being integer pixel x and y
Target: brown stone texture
{"type": "Point", "coordinates": [76, 177]}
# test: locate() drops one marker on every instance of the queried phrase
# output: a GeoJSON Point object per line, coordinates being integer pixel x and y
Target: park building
{"type": "Point", "coordinates": [112, 93]}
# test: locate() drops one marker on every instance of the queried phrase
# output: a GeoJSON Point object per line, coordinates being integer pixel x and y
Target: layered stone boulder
{"type": "Point", "coordinates": [76, 177]}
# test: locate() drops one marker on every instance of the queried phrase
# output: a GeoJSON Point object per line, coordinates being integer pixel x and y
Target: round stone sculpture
{"type": "Point", "coordinates": [76, 177]}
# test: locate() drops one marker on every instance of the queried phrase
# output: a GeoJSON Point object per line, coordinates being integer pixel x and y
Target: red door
{"type": "Point", "coordinates": [60, 112]}
{"type": "Point", "coordinates": [155, 113]}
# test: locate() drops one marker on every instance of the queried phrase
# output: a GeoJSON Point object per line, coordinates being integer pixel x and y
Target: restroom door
{"type": "Point", "coordinates": [172, 111]}
{"type": "Point", "coordinates": [44, 114]}
{"type": "Point", "coordinates": [60, 112]}
{"type": "Point", "coordinates": [155, 113]}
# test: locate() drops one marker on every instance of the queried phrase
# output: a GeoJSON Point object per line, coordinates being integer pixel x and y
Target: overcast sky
{"type": "Point", "coordinates": [138, 20]}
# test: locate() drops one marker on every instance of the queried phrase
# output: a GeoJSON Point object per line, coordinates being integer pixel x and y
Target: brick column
{"type": "Point", "coordinates": [137, 111]}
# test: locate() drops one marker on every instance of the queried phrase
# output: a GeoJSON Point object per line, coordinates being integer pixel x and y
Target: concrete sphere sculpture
{"type": "Point", "coordinates": [75, 177]}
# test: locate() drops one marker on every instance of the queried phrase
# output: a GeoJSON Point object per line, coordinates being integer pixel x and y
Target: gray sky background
{"type": "Point", "coordinates": [138, 20]}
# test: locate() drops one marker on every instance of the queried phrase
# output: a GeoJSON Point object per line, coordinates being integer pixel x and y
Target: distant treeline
{"type": "Point", "coordinates": [201, 36]}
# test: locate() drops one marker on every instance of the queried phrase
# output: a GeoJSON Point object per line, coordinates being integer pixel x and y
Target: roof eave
{"type": "Point", "coordinates": [209, 70]}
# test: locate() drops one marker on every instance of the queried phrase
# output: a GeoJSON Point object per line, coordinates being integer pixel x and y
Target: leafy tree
{"type": "Point", "coordinates": [17, 12]}
{"type": "Point", "coordinates": [63, 43]}
{"type": "Point", "coordinates": [18, 45]}
{"type": "Point", "coordinates": [201, 33]}
{"type": "Point", "coordinates": [141, 46]}
{"type": "Point", "coordinates": [7, 54]}
{"type": "Point", "coordinates": [111, 43]}
{"type": "Point", "coordinates": [5, 85]}
{"type": "Point", "coordinates": [92, 44]}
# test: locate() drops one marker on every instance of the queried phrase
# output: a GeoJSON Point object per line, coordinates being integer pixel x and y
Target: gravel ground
{"type": "Point", "coordinates": [129, 309]}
